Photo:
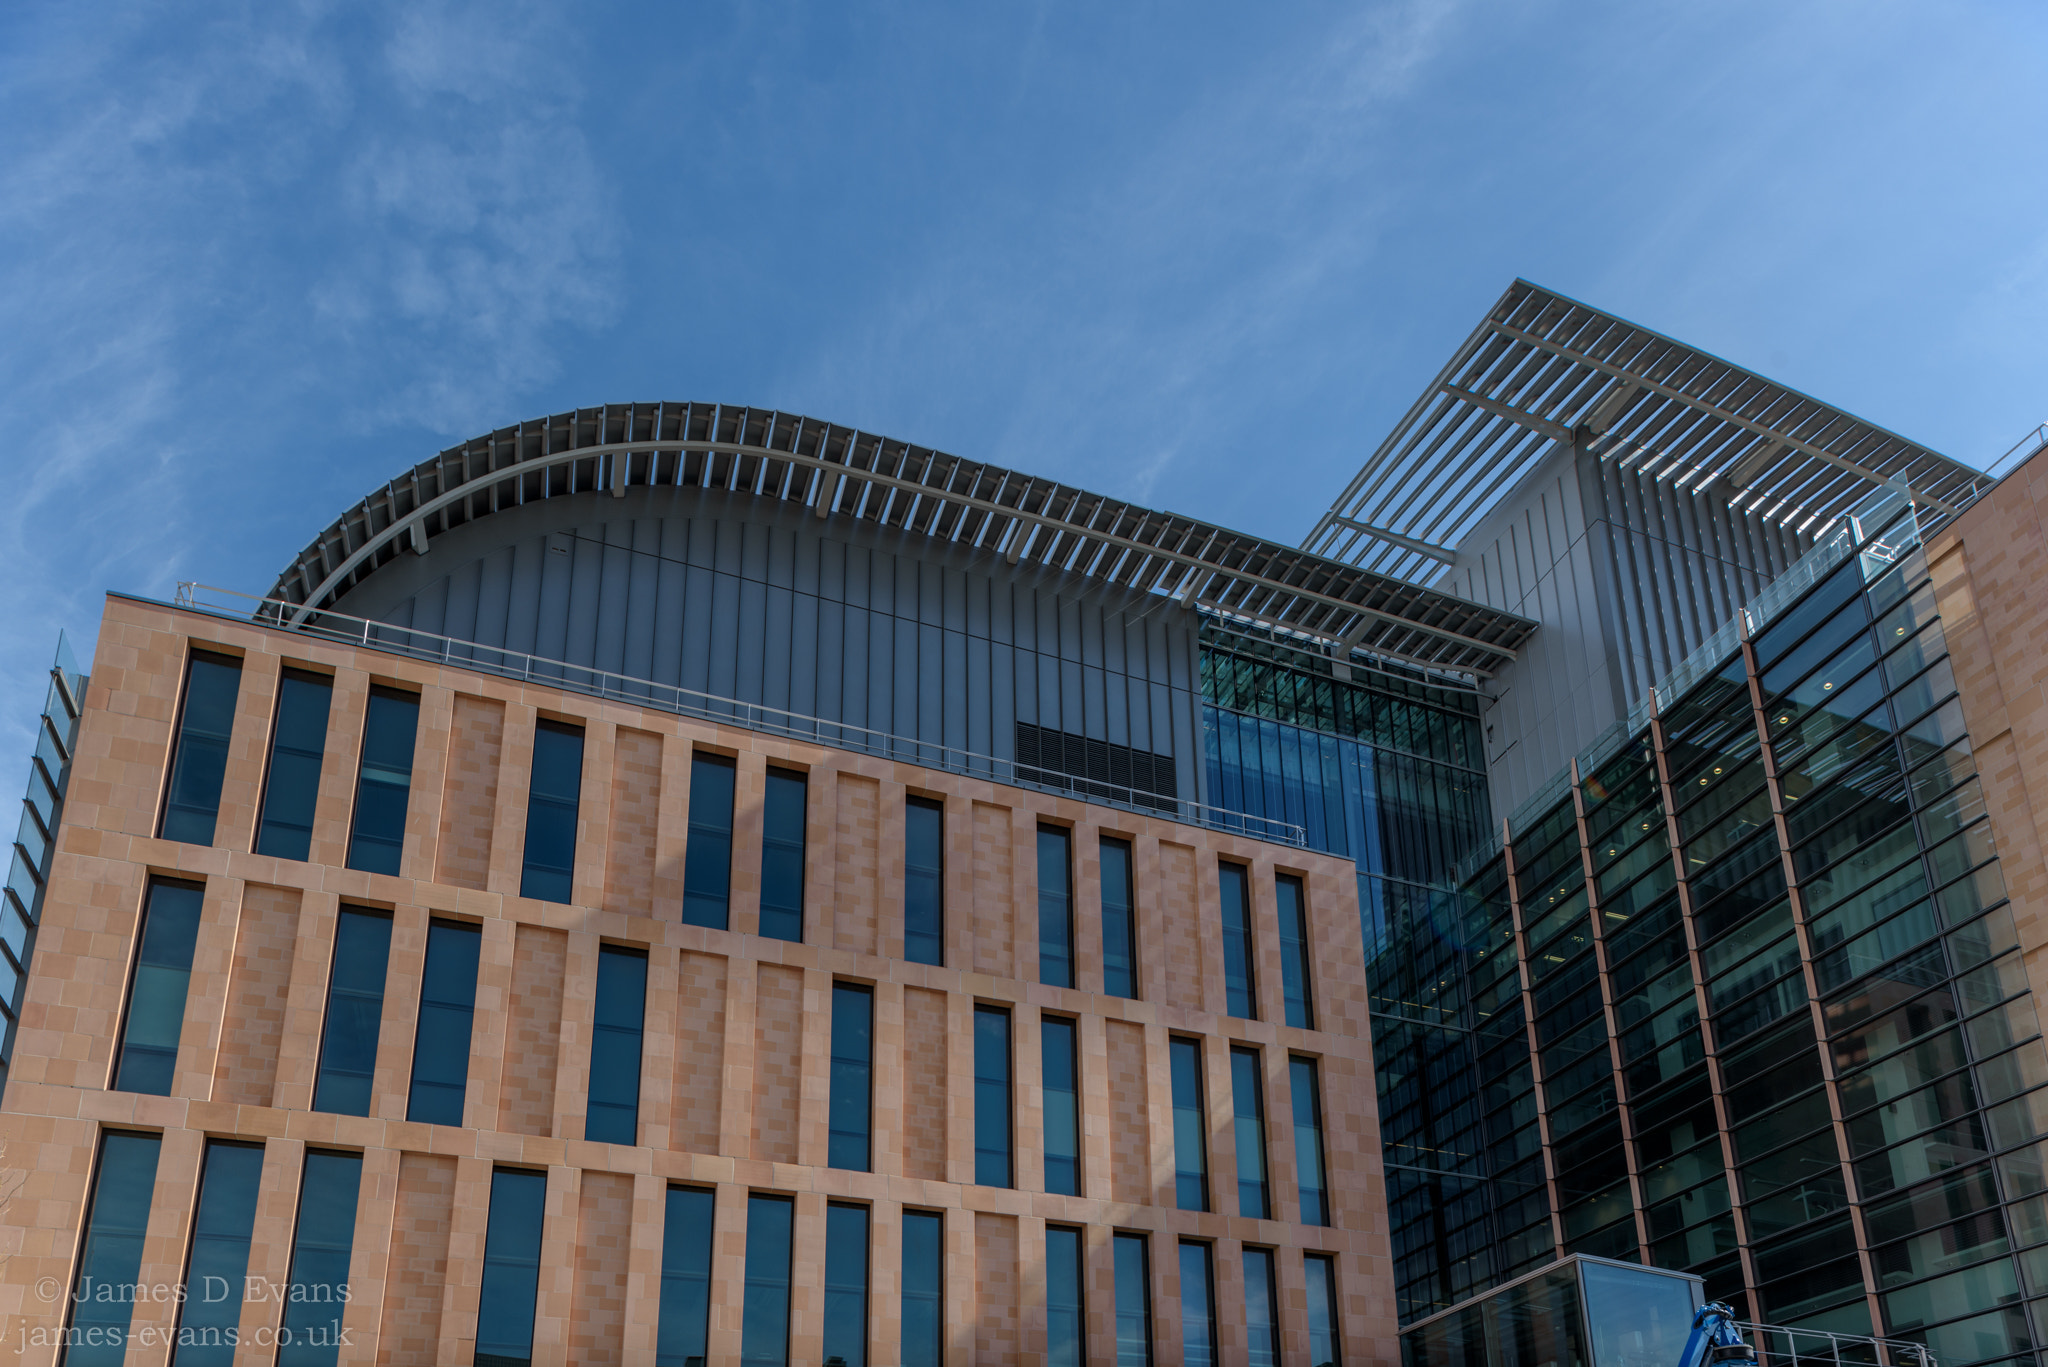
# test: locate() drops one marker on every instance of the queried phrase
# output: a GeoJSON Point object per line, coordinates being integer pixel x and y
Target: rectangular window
{"type": "Point", "coordinates": [384, 782]}
{"type": "Point", "coordinates": [1055, 908]}
{"type": "Point", "coordinates": [1323, 1347]}
{"type": "Point", "coordinates": [1261, 1318]}
{"type": "Point", "coordinates": [321, 1244]}
{"type": "Point", "coordinates": [199, 754]}
{"type": "Point", "coordinates": [924, 868]}
{"type": "Point", "coordinates": [222, 1223]}
{"type": "Point", "coordinates": [552, 798]}
{"type": "Point", "coordinates": [511, 1288]}
{"type": "Point", "coordinates": [707, 859]}
{"type": "Point", "coordinates": [1062, 1094]}
{"type": "Point", "coordinates": [764, 1316]}
{"type": "Point", "coordinates": [1066, 1317]}
{"type": "Point", "coordinates": [1294, 976]}
{"type": "Point", "coordinates": [1249, 1103]}
{"type": "Point", "coordinates": [440, 1050]}
{"type": "Point", "coordinates": [846, 1285]}
{"type": "Point", "coordinates": [291, 785]}
{"type": "Point", "coordinates": [1119, 922]}
{"type": "Point", "coordinates": [685, 1278]}
{"type": "Point", "coordinates": [355, 1012]}
{"type": "Point", "coordinates": [1239, 989]}
{"type": "Point", "coordinates": [991, 1096]}
{"type": "Point", "coordinates": [924, 1289]}
{"type": "Point", "coordinates": [1307, 1098]}
{"type": "Point", "coordinates": [1133, 1302]}
{"type": "Point", "coordinates": [613, 1112]}
{"type": "Point", "coordinates": [1197, 1307]}
{"type": "Point", "coordinates": [853, 1066]}
{"type": "Point", "coordinates": [782, 856]}
{"type": "Point", "coordinates": [156, 997]}
{"type": "Point", "coordinates": [1190, 1126]}
{"type": "Point", "coordinates": [115, 1223]}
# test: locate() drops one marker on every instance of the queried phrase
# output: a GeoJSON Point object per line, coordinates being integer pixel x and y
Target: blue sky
{"type": "Point", "coordinates": [257, 259]}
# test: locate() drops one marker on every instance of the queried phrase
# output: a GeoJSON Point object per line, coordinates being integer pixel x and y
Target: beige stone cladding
{"type": "Point", "coordinates": [735, 1076]}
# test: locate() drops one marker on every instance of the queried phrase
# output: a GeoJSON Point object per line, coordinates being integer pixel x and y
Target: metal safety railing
{"type": "Point", "coordinates": [434, 648]}
{"type": "Point", "coordinates": [1777, 1346]}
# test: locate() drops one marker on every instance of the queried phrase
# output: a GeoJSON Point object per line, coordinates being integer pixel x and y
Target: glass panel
{"type": "Point", "coordinates": [511, 1281]}
{"type": "Point", "coordinates": [1197, 1307]}
{"type": "Point", "coordinates": [1261, 1315]}
{"type": "Point", "coordinates": [1322, 1310]}
{"type": "Point", "coordinates": [853, 1055]}
{"type": "Point", "coordinates": [549, 872]}
{"type": "Point", "coordinates": [1294, 974]}
{"type": "Point", "coordinates": [1119, 922]}
{"type": "Point", "coordinates": [764, 1320]}
{"type": "Point", "coordinates": [1055, 909]}
{"type": "Point", "coordinates": [1190, 1126]}
{"type": "Point", "coordinates": [1308, 1140]}
{"type": "Point", "coordinates": [291, 786]}
{"type": "Point", "coordinates": [112, 1256]}
{"type": "Point", "coordinates": [686, 1278]}
{"type": "Point", "coordinates": [222, 1223]}
{"type": "Point", "coordinates": [612, 1114]}
{"type": "Point", "coordinates": [355, 1012]}
{"type": "Point", "coordinates": [199, 757]}
{"type": "Point", "coordinates": [924, 1318]}
{"type": "Point", "coordinates": [440, 1051]}
{"type": "Point", "coordinates": [156, 997]}
{"type": "Point", "coordinates": [991, 1097]}
{"type": "Point", "coordinates": [782, 855]}
{"type": "Point", "coordinates": [924, 938]}
{"type": "Point", "coordinates": [1133, 1302]}
{"type": "Point", "coordinates": [384, 782]}
{"type": "Point", "coordinates": [321, 1245]}
{"type": "Point", "coordinates": [1062, 1106]}
{"type": "Point", "coordinates": [846, 1286]}
{"type": "Point", "coordinates": [1638, 1318]}
{"type": "Point", "coordinates": [707, 859]}
{"type": "Point", "coordinates": [1066, 1320]}
{"type": "Point", "coordinates": [1239, 997]}
{"type": "Point", "coordinates": [1248, 1101]}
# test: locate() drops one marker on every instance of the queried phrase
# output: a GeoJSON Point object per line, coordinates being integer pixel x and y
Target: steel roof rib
{"type": "Point", "coordinates": [1542, 368]}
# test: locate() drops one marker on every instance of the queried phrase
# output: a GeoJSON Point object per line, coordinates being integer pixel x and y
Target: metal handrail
{"type": "Point", "coordinates": [512, 664]}
{"type": "Point", "coordinates": [1863, 1349]}
{"type": "Point", "coordinates": [2026, 446]}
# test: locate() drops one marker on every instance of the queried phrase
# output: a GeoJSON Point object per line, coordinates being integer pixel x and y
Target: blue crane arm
{"type": "Point", "coordinates": [1715, 1341]}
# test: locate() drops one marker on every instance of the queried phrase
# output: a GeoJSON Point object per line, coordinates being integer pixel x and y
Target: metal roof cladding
{"type": "Point", "coordinates": [841, 472]}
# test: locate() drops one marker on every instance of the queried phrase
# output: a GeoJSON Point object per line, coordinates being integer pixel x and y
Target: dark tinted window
{"type": "Point", "coordinates": [1055, 909]}
{"type": "Point", "coordinates": [991, 1096]}
{"type": "Point", "coordinates": [1322, 1310]}
{"type": "Point", "coordinates": [199, 755]}
{"type": "Point", "coordinates": [1133, 1302]}
{"type": "Point", "coordinates": [1308, 1140]}
{"type": "Point", "coordinates": [924, 1289]}
{"type": "Point", "coordinates": [1119, 922]}
{"type": "Point", "coordinates": [1062, 1098]}
{"type": "Point", "coordinates": [707, 860]}
{"type": "Point", "coordinates": [550, 868]}
{"type": "Point", "coordinates": [221, 1225]}
{"type": "Point", "coordinates": [1294, 975]}
{"type": "Point", "coordinates": [1190, 1127]}
{"type": "Point", "coordinates": [156, 997]}
{"type": "Point", "coordinates": [440, 1051]}
{"type": "Point", "coordinates": [355, 1012]}
{"type": "Point", "coordinates": [924, 919]}
{"type": "Point", "coordinates": [1261, 1316]}
{"type": "Point", "coordinates": [321, 1243]}
{"type": "Point", "coordinates": [511, 1286]}
{"type": "Point", "coordinates": [1066, 1320]}
{"type": "Point", "coordinates": [1240, 997]}
{"type": "Point", "coordinates": [1249, 1105]}
{"type": "Point", "coordinates": [853, 1056]}
{"type": "Point", "coordinates": [291, 786]}
{"type": "Point", "coordinates": [685, 1277]}
{"type": "Point", "coordinates": [613, 1113]}
{"type": "Point", "coordinates": [384, 782]}
{"type": "Point", "coordinates": [782, 856]}
{"type": "Point", "coordinates": [764, 1318]}
{"type": "Point", "coordinates": [1197, 1307]}
{"type": "Point", "coordinates": [846, 1285]}
{"type": "Point", "coordinates": [115, 1224]}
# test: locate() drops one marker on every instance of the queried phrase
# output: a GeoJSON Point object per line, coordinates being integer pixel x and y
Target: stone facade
{"type": "Point", "coordinates": [734, 1068]}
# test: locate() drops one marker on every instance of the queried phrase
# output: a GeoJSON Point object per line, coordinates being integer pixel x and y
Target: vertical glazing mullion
{"type": "Point", "coordinates": [1622, 1107]}
{"type": "Point", "coordinates": [1803, 935]}
{"type": "Point", "coordinates": [1737, 1201]}
{"type": "Point", "coordinates": [1507, 847]}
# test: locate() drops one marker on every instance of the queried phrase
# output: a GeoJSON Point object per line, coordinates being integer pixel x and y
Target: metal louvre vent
{"type": "Point", "coordinates": [1061, 759]}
